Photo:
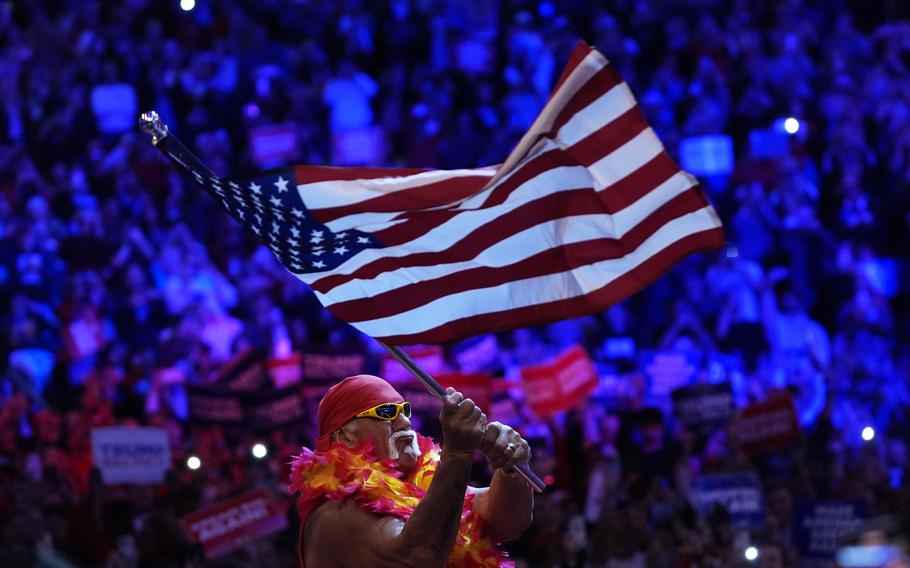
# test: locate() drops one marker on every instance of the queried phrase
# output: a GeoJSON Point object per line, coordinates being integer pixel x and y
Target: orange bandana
{"type": "Point", "coordinates": [340, 472]}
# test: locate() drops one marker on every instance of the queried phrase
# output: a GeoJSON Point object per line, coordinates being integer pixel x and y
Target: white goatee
{"type": "Point", "coordinates": [393, 446]}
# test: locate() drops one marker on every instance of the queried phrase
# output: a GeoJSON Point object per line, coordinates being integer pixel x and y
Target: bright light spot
{"type": "Point", "coordinates": [751, 554]}
{"type": "Point", "coordinates": [868, 433]}
{"type": "Point", "coordinates": [193, 462]}
{"type": "Point", "coordinates": [259, 451]}
{"type": "Point", "coordinates": [791, 125]}
{"type": "Point", "coordinates": [187, 5]}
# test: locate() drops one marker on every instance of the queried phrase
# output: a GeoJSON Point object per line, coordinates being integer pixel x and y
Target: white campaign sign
{"type": "Point", "coordinates": [130, 454]}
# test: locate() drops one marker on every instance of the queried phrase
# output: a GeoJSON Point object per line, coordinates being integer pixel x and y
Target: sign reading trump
{"type": "Point", "coordinates": [131, 454]}
{"type": "Point", "coordinates": [561, 384]}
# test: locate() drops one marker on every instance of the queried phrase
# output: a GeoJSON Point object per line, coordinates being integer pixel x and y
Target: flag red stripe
{"type": "Point", "coordinates": [550, 261]}
{"type": "Point", "coordinates": [622, 287]}
{"type": "Point", "coordinates": [314, 174]}
{"type": "Point", "coordinates": [420, 197]}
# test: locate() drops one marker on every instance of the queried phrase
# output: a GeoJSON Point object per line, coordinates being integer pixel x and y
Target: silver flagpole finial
{"type": "Point", "coordinates": [150, 123]}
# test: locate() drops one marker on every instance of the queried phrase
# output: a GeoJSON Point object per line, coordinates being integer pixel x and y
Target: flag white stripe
{"type": "Point", "coordinates": [368, 221]}
{"type": "Point", "coordinates": [524, 244]}
{"type": "Point", "coordinates": [626, 160]}
{"type": "Point", "coordinates": [604, 110]}
{"type": "Point", "coordinates": [532, 291]}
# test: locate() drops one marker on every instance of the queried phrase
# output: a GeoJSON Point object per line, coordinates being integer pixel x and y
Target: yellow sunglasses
{"type": "Point", "coordinates": [387, 411]}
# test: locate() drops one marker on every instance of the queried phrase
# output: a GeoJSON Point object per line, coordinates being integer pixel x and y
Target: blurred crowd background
{"type": "Point", "coordinates": [121, 283]}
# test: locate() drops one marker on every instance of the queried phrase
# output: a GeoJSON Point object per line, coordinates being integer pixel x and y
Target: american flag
{"type": "Point", "coordinates": [586, 210]}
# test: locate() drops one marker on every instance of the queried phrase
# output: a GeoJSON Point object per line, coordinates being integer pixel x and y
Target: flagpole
{"type": "Point", "coordinates": [439, 392]}
{"type": "Point", "coordinates": [150, 123]}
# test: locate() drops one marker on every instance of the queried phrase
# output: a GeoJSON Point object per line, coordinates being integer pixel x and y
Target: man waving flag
{"type": "Point", "coordinates": [588, 209]}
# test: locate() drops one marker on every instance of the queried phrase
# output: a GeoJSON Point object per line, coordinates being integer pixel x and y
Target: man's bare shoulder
{"type": "Point", "coordinates": [328, 534]}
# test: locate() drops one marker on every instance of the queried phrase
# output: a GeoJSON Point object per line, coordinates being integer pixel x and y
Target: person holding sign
{"type": "Point", "coordinates": [376, 493]}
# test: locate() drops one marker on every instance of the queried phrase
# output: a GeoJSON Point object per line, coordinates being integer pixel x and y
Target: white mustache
{"type": "Point", "coordinates": [393, 446]}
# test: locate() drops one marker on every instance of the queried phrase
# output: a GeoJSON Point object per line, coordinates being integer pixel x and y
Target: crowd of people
{"type": "Point", "coordinates": [121, 282]}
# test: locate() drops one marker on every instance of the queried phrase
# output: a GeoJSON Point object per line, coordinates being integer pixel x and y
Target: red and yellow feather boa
{"type": "Point", "coordinates": [377, 487]}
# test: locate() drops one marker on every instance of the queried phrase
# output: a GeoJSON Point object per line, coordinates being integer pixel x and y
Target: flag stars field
{"type": "Point", "coordinates": [270, 221]}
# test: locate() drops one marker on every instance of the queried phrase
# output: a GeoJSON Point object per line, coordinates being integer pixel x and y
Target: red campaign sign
{"type": "Point", "coordinates": [430, 358]}
{"type": "Point", "coordinates": [767, 426]}
{"type": "Point", "coordinates": [561, 384]}
{"type": "Point", "coordinates": [287, 371]}
{"type": "Point", "coordinates": [229, 524]}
